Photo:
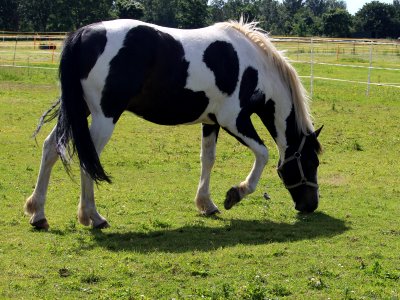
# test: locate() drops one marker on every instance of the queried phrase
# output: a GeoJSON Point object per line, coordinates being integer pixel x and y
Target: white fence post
{"type": "Point", "coordinates": [15, 49]}
{"type": "Point", "coordinates": [369, 69]}
{"type": "Point", "coordinates": [312, 70]}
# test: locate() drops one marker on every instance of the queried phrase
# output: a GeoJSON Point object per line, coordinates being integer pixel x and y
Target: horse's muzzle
{"type": "Point", "coordinates": [306, 200]}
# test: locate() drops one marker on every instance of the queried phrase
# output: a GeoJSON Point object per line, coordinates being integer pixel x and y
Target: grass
{"type": "Point", "coordinates": [159, 247]}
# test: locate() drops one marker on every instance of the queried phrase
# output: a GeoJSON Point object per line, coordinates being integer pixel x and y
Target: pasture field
{"type": "Point", "coordinates": [159, 247]}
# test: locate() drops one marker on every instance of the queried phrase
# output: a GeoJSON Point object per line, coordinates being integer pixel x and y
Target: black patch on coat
{"type": "Point", "coordinates": [248, 85]}
{"type": "Point", "coordinates": [246, 127]}
{"type": "Point", "coordinates": [93, 42]}
{"type": "Point", "coordinates": [252, 101]}
{"type": "Point", "coordinates": [266, 113]}
{"type": "Point", "coordinates": [213, 118]}
{"type": "Point", "coordinates": [210, 129]}
{"type": "Point", "coordinates": [235, 136]}
{"type": "Point", "coordinates": [292, 133]}
{"type": "Point", "coordinates": [221, 58]}
{"type": "Point", "coordinates": [148, 77]}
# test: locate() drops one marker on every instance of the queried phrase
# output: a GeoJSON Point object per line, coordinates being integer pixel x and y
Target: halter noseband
{"type": "Point", "coordinates": [297, 156]}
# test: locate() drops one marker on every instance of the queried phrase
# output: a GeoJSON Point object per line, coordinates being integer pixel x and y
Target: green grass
{"type": "Point", "coordinates": [160, 248]}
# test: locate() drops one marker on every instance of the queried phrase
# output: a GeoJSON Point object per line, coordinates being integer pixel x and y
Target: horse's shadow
{"type": "Point", "coordinates": [203, 238]}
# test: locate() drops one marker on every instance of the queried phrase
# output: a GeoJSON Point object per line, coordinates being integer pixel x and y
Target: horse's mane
{"type": "Point", "coordinates": [299, 95]}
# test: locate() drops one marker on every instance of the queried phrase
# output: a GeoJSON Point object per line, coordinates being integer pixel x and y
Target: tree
{"type": "Point", "coordinates": [272, 16]}
{"type": "Point", "coordinates": [216, 11]}
{"type": "Point", "coordinates": [318, 7]}
{"type": "Point", "coordinates": [337, 23]}
{"type": "Point", "coordinates": [234, 9]}
{"type": "Point", "coordinates": [191, 13]}
{"type": "Point", "coordinates": [35, 14]}
{"type": "Point", "coordinates": [377, 20]}
{"type": "Point", "coordinates": [396, 4]}
{"type": "Point", "coordinates": [293, 6]}
{"type": "Point", "coordinates": [9, 19]}
{"type": "Point", "coordinates": [128, 9]}
{"type": "Point", "coordinates": [161, 12]}
{"type": "Point", "coordinates": [305, 23]}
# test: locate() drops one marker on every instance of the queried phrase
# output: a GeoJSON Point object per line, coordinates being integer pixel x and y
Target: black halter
{"type": "Point", "coordinates": [297, 156]}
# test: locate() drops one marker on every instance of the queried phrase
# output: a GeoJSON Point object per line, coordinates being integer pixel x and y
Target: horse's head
{"type": "Point", "coordinates": [298, 172]}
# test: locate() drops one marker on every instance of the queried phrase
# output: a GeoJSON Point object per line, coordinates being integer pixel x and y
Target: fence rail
{"type": "Point", "coordinates": [377, 61]}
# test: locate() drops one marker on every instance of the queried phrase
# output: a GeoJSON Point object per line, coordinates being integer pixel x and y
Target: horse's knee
{"type": "Point", "coordinates": [49, 150]}
{"type": "Point", "coordinates": [208, 157]}
{"type": "Point", "coordinates": [263, 155]}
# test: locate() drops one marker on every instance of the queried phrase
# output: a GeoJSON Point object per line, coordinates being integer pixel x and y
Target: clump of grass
{"type": "Point", "coordinates": [64, 272]}
{"type": "Point", "coordinates": [316, 283]}
{"type": "Point", "coordinates": [280, 291]}
{"type": "Point", "coordinates": [357, 146]}
{"type": "Point", "coordinates": [91, 278]}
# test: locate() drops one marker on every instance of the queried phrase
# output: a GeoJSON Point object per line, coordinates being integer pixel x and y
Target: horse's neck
{"type": "Point", "coordinates": [289, 136]}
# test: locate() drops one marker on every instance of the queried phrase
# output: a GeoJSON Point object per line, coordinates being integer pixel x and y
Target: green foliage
{"type": "Point", "coordinates": [191, 13]}
{"type": "Point", "coordinates": [161, 12]}
{"type": "Point", "coordinates": [337, 22]}
{"type": "Point", "coordinates": [128, 9]}
{"type": "Point", "coordinates": [272, 16]}
{"type": "Point", "coordinates": [378, 20]}
{"type": "Point", "coordinates": [288, 17]}
{"type": "Point", "coordinates": [37, 13]}
{"type": "Point", "coordinates": [9, 15]}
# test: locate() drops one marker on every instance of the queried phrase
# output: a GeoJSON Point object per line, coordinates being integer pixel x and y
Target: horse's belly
{"type": "Point", "coordinates": [170, 108]}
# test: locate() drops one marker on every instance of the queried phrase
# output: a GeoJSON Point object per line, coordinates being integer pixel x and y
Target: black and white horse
{"type": "Point", "coordinates": [218, 76]}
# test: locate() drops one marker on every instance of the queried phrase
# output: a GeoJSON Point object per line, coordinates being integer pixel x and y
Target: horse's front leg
{"type": "Point", "coordinates": [208, 147]}
{"type": "Point", "coordinates": [34, 205]}
{"type": "Point", "coordinates": [248, 186]}
{"type": "Point", "coordinates": [247, 135]}
{"type": "Point", "coordinates": [101, 130]}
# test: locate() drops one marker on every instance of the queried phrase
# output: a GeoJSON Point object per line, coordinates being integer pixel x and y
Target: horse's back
{"type": "Point", "coordinates": [165, 75]}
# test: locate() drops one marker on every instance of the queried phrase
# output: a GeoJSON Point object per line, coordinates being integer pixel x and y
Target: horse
{"type": "Point", "coordinates": [217, 76]}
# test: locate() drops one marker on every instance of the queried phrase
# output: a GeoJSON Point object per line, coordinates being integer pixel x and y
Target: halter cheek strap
{"type": "Point", "coordinates": [297, 156]}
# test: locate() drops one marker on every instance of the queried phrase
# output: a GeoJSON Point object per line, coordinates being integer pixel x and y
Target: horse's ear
{"type": "Point", "coordinates": [318, 131]}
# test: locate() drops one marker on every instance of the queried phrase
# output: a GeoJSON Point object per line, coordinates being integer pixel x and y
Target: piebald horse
{"type": "Point", "coordinates": [217, 76]}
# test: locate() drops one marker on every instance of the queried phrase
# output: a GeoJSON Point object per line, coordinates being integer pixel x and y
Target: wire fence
{"type": "Point", "coordinates": [355, 61]}
{"type": "Point", "coordinates": [30, 50]}
{"type": "Point", "coordinates": [363, 62]}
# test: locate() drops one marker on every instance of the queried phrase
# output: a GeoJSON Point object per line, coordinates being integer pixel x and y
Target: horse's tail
{"type": "Point", "coordinates": [72, 125]}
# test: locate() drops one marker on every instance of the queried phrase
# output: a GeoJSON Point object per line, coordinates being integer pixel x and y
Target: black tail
{"type": "Point", "coordinates": [72, 125]}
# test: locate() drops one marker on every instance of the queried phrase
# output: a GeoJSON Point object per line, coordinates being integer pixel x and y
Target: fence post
{"type": "Point", "coordinates": [369, 69]}
{"type": "Point", "coordinates": [312, 70]}
{"type": "Point", "coordinates": [15, 49]}
{"type": "Point", "coordinates": [53, 46]}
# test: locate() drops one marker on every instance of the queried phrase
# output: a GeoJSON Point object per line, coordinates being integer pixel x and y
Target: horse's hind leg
{"type": "Point", "coordinates": [101, 130]}
{"type": "Point", "coordinates": [34, 205]}
{"type": "Point", "coordinates": [246, 134]}
{"type": "Point", "coordinates": [208, 145]}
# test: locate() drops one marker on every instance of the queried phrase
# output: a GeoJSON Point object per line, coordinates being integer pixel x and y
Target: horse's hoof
{"type": "Point", "coordinates": [41, 225]}
{"type": "Point", "coordinates": [102, 225]}
{"type": "Point", "coordinates": [212, 212]}
{"type": "Point", "coordinates": [232, 197]}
